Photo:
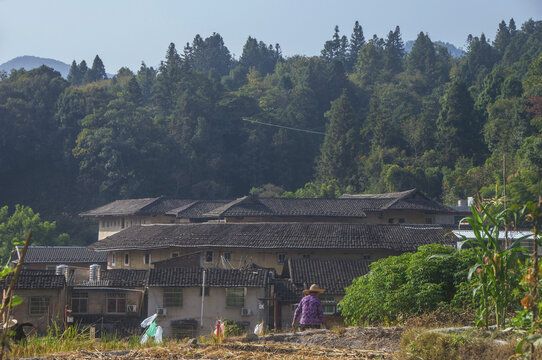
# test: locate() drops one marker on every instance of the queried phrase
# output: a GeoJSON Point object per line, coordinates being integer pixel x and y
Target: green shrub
{"type": "Point", "coordinates": [409, 284]}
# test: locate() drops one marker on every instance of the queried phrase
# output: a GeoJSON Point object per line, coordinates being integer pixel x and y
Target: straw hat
{"type": "Point", "coordinates": [313, 289]}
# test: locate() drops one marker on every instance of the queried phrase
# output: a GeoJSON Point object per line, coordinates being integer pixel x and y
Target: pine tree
{"type": "Point", "coordinates": [357, 40]}
{"type": "Point", "coordinates": [332, 47]}
{"type": "Point", "coordinates": [74, 76]}
{"type": "Point", "coordinates": [394, 51]}
{"type": "Point", "coordinates": [512, 26]}
{"type": "Point", "coordinates": [502, 38]}
{"type": "Point", "coordinates": [458, 126]}
{"type": "Point", "coordinates": [98, 69]}
{"type": "Point", "coordinates": [83, 71]}
{"type": "Point", "coordinates": [133, 92]}
{"type": "Point", "coordinates": [422, 55]}
{"type": "Point", "coordinates": [340, 147]}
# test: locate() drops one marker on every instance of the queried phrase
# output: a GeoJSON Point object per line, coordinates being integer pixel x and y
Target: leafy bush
{"type": "Point", "coordinates": [409, 284]}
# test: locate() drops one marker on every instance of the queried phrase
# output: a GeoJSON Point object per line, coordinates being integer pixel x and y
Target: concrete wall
{"type": "Point", "coordinates": [97, 300]}
{"type": "Point", "coordinates": [239, 257]}
{"type": "Point", "coordinates": [109, 225]}
{"type": "Point", "coordinates": [214, 308]}
{"type": "Point", "coordinates": [55, 312]}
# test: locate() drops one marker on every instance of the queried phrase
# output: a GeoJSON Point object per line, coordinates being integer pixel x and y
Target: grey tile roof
{"type": "Point", "coordinates": [404, 200]}
{"type": "Point", "coordinates": [35, 279]}
{"type": "Point", "coordinates": [117, 278]}
{"type": "Point", "coordinates": [396, 237]}
{"type": "Point", "coordinates": [197, 209]}
{"type": "Point", "coordinates": [190, 277]}
{"type": "Point", "coordinates": [162, 205]}
{"type": "Point", "coordinates": [333, 274]}
{"type": "Point", "coordinates": [267, 207]}
{"type": "Point", "coordinates": [63, 254]}
{"type": "Point", "coordinates": [120, 207]}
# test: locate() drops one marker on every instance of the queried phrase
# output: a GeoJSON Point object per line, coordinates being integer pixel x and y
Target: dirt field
{"type": "Point", "coordinates": [359, 343]}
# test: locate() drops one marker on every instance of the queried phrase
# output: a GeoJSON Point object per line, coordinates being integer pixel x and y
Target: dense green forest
{"type": "Point", "coordinates": [363, 116]}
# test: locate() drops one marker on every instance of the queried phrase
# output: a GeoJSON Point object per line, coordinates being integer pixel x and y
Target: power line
{"type": "Point", "coordinates": [284, 127]}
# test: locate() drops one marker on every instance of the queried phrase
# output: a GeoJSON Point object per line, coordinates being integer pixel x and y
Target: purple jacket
{"type": "Point", "coordinates": [310, 309]}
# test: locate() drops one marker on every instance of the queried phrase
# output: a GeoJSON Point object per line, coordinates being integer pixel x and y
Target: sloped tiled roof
{"type": "Point", "coordinates": [404, 200]}
{"type": "Point", "coordinates": [265, 207]}
{"type": "Point", "coordinates": [63, 254]}
{"type": "Point", "coordinates": [120, 207]}
{"type": "Point", "coordinates": [333, 274]}
{"type": "Point", "coordinates": [397, 237]}
{"type": "Point", "coordinates": [35, 279]}
{"type": "Point", "coordinates": [118, 278]}
{"type": "Point", "coordinates": [162, 205]}
{"type": "Point", "coordinates": [190, 277]}
{"type": "Point", "coordinates": [197, 209]}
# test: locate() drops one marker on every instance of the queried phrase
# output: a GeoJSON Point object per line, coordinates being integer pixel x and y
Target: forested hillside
{"type": "Point", "coordinates": [362, 116]}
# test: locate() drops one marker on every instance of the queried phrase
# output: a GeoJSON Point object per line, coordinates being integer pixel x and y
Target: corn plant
{"type": "Point", "coordinates": [496, 271]}
{"type": "Point", "coordinates": [531, 282]}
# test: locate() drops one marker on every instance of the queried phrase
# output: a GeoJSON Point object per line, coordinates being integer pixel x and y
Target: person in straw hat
{"type": "Point", "coordinates": [310, 309]}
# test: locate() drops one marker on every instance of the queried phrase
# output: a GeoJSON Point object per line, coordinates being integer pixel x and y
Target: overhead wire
{"type": "Point", "coordinates": [284, 127]}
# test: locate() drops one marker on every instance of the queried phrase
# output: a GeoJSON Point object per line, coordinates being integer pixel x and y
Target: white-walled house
{"type": "Point", "coordinates": [239, 295]}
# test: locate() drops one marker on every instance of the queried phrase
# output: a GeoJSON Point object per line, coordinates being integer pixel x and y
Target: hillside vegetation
{"type": "Point", "coordinates": [361, 117]}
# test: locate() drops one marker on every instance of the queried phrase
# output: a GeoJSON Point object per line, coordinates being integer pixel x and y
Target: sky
{"type": "Point", "coordinates": [127, 32]}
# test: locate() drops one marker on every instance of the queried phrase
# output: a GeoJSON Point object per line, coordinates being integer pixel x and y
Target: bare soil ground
{"type": "Point", "coordinates": [359, 343]}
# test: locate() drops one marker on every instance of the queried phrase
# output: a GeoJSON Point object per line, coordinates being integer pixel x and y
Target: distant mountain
{"type": "Point", "coordinates": [454, 51]}
{"type": "Point", "coordinates": [32, 62]}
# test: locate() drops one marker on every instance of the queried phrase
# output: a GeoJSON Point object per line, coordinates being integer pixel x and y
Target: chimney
{"type": "Point", "coordinates": [94, 273]}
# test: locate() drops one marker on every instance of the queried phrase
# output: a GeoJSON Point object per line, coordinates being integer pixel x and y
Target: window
{"type": "Point", "coordinates": [122, 223]}
{"type": "Point", "coordinates": [281, 258]}
{"type": "Point", "coordinates": [390, 220]}
{"type": "Point", "coordinates": [428, 220]}
{"type": "Point", "coordinates": [147, 259]}
{"type": "Point", "coordinates": [116, 302]}
{"type": "Point", "coordinates": [174, 254]}
{"type": "Point", "coordinates": [235, 297]}
{"type": "Point", "coordinates": [173, 297]}
{"type": "Point", "coordinates": [209, 256]}
{"type": "Point", "coordinates": [206, 291]}
{"type": "Point", "coordinates": [227, 256]}
{"type": "Point", "coordinates": [79, 302]}
{"type": "Point", "coordinates": [366, 257]}
{"type": "Point", "coordinates": [113, 259]}
{"type": "Point", "coordinates": [305, 256]}
{"type": "Point", "coordinates": [401, 220]}
{"type": "Point", "coordinates": [329, 305]}
{"type": "Point", "coordinates": [183, 331]}
{"type": "Point", "coordinates": [39, 305]}
{"type": "Point", "coordinates": [126, 259]}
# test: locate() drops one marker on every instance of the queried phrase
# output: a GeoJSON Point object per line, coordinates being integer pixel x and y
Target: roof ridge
{"type": "Point", "coordinates": [222, 209]}
{"type": "Point", "coordinates": [402, 196]}
{"type": "Point", "coordinates": [176, 211]}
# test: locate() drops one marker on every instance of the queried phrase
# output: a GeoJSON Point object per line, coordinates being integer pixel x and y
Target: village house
{"type": "Point", "coordinates": [240, 295]}
{"type": "Point", "coordinates": [269, 245]}
{"type": "Point", "coordinates": [44, 297]}
{"type": "Point", "coordinates": [109, 300]}
{"type": "Point", "coordinates": [406, 207]}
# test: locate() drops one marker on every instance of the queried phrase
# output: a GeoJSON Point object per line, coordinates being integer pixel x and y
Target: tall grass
{"type": "Point", "coordinates": [74, 338]}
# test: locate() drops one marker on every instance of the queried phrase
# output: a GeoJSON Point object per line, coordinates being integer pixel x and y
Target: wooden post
{"type": "Point", "coordinates": [275, 311]}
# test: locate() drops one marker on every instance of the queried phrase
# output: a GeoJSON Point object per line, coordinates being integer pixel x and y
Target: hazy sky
{"type": "Point", "coordinates": [126, 32]}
